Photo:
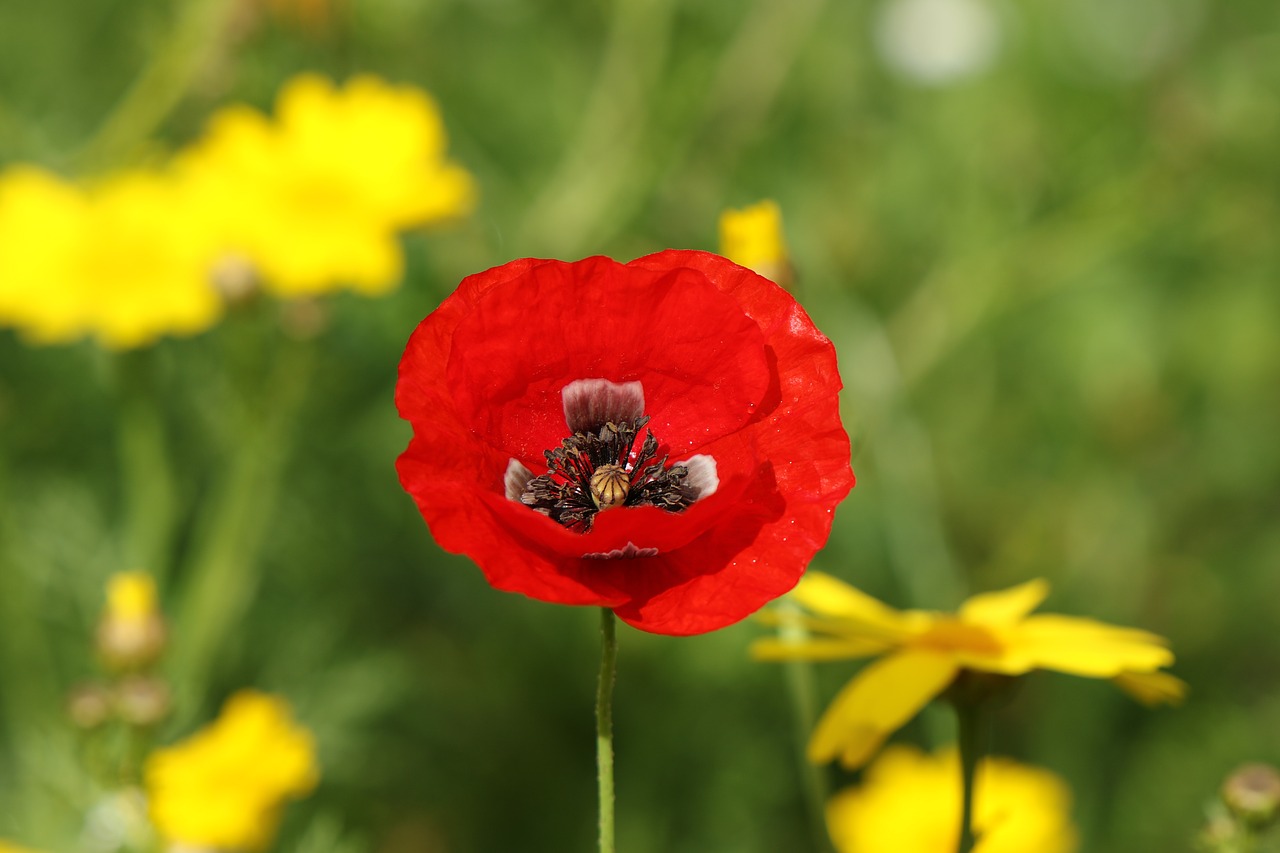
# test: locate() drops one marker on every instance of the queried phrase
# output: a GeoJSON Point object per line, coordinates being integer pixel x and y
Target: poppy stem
{"type": "Point", "coordinates": [969, 717]}
{"type": "Point", "coordinates": [604, 726]}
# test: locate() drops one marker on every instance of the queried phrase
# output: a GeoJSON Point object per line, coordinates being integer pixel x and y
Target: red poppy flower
{"type": "Point", "coordinates": [660, 437]}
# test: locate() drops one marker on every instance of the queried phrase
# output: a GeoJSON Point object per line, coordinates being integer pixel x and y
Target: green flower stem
{"type": "Point", "coordinates": [26, 648]}
{"type": "Point", "coordinates": [969, 717]}
{"type": "Point", "coordinates": [604, 726]}
{"type": "Point", "coordinates": [161, 85]}
{"type": "Point", "coordinates": [223, 575]}
{"type": "Point", "coordinates": [584, 197]}
{"type": "Point", "coordinates": [144, 465]}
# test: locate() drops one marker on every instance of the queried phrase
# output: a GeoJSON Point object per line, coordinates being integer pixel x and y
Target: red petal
{"type": "Point", "coordinates": [700, 360]}
{"type": "Point", "coordinates": [463, 525]}
{"type": "Point", "coordinates": [480, 382]}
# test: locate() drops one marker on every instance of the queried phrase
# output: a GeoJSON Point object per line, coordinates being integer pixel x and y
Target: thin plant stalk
{"type": "Point", "coordinates": [804, 713]}
{"type": "Point", "coordinates": [224, 572]}
{"type": "Point", "coordinates": [198, 36]}
{"type": "Point", "coordinates": [148, 490]}
{"type": "Point", "coordinates": [969, 717]}
{"type": "Point", "coordinates": [604, 726]}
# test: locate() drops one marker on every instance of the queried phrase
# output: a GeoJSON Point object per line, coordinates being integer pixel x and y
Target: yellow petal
{"type": "Point", "coordinates": [1007, 606]}
{"type": "Point", "coordinates": [1152, 688]}
{"type": "Point", "coordinates": [823, 649]}
{"type": "Point", "coordinates": [842, 629]}
{"type": "Point", "coordinates": [827, 596]}
{"type": "Point", "coordinates": [909, 802]}
{"type": "Point", "coordinates": [1085, 647]}
{"type": "Point", "coordinates": [880, 699]}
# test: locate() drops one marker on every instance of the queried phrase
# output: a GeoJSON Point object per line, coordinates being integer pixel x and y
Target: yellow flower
{"type": "Point", "coordinates": [909, 802]}
{"type": "Point", "coordinates": [752, 237]}
{"type": "Point", "coordinates": [131, 596]}
{"type": "Point", "coordinates": [131, 632]}
{"type": "Point", "coordinates": [119, 260]}
{"type": "Point", "coordinates": [41, 221]}
{"type": "Point", "coordinates": [923, 652]}
{"type": "Point", "coordinates": [224, 787]}
{"type": "Point", "coordinates": [314, 198]}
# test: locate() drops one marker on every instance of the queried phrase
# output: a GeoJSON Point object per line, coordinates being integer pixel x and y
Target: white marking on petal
{"type": "Point", "coordinates": [591, 403]}
{"type": "Point", "coordinates": [516, 478]}
{"type": "Point", "coordinates": [626, 552]}
{"type": "Point", "coordinates": [702, 479]}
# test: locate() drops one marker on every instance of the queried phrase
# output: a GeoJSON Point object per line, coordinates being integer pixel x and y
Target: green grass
{"type": "Point", "coordinates": [1053, 289]}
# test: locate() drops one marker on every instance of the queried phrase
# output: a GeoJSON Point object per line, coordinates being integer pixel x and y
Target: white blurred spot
{"type": "Point", "coordinates": [937, 42]}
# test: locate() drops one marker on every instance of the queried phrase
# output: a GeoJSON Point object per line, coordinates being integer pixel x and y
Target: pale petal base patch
{"type": "Point", "coordinates": [516, 478]}
{"type": "Point", "coordinates": [702, 479]}
{"type": "Point", "coordinates": [591, 403]}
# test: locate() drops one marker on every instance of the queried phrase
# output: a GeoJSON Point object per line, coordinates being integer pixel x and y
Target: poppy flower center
{"type": "Point", "coordinates": [609, 486]}
{"type": "Point", "coordinates": [605, 464]}
{"type": "Point", "coordinates": [595, 471]}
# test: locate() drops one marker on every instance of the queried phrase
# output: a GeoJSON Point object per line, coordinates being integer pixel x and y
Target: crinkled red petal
{"type": "Point", "coordinates": [797, 429]}
{"type": "Point", "coordinates": [700, 359]}
{"type": "Point", "coordinates": [782, 455]}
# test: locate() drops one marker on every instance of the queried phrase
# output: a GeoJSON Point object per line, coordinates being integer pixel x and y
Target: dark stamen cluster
{"type": "Point", "coordinates": [566, 493]}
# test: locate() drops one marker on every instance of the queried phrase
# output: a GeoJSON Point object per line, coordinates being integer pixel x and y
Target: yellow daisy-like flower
{"type": "Point", "coordinates": [119, 260]}
{"type": "Point", "coordinates": [923, 652]}
{"type": "Point", "coordinates": [224, 787]}
{"type": "Point", "coordinates": [41, 222]}
{"type": "Point", "coordinates": [910, 802]}
{"type": "Point", "coordinates": [314, 197]}
{"type": "Point", "coordinates": [752, 237]}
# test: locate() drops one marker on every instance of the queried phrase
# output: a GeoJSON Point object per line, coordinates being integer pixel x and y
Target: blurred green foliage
{"type": "Point", "coordinates": [1052, 285]}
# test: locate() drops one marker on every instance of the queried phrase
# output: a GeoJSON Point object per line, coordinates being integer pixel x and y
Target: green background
{"type": "Point", "coordinates": [1053, 291]}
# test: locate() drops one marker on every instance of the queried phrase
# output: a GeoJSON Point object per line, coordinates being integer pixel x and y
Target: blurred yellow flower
{"type": "Point", "coordinates": [752, 237]}
{"type": "Point", "coordinates": [314, 198]}
{"type": "Point", "coordinates": [909, 802]}
{"type": "Point", "coordinates": [119, 260]}
{"type": "Point", "coordinates": [41, 219]}
{"type": "Point", "coordinates": [224, 787]}
{"type": "Point", "coordinates": [131, 632]}
{"type": "Point", "coordinates": [131, 596]}
{"type": "Point", "coordinates": [925, 651]}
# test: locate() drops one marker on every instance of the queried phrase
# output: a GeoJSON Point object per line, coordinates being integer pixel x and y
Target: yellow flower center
{"type": "Point", "coordinates": [952, 635]}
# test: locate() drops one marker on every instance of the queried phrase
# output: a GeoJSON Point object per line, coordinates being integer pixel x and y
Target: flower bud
{"type": "Point", "coordinates": [752, 237]}
{"type": "Point", "coordinates": [235, 278]}
{"type": "Point", "coordinates": [1252, 793]}
{"type": "Point", "coordinates": [89, 706]}
{"type": "Point", "coordinates": [143, 701]}
{"type": "Point", "coordinates": [131, 634]}
{"type": "Point", "coordinates": [304, 319]}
